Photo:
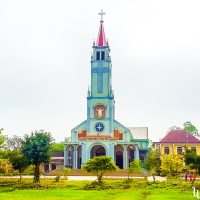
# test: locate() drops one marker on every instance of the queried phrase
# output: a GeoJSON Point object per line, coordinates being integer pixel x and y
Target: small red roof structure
{"type": "Point", "coordinates": [179, 136]}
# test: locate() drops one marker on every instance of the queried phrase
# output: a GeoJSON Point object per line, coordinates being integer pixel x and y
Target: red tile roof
{"type": "Point", "coordinates": [179, 136]}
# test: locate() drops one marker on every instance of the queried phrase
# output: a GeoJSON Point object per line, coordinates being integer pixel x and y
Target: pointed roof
{"type": "Point", "coordinates": [101, 40]}
{"type": "Point", "coordinates": [179, 136]}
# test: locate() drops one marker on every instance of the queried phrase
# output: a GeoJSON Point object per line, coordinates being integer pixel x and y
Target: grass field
{"type": "Point", "coordinates": [74, 190]}
{"type": "Point", "coordinates": [65, 194]}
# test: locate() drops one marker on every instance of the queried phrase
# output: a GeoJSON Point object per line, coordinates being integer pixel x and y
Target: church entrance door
{"type": "Point", "coordinates": [119, 150]}
{"type": "Point", "coordinates": [119, 159]}
{"type": "Point", "coordinates": [97, 150]}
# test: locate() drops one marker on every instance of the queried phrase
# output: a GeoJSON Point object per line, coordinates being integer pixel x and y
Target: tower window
{"type": "Point", "coordinates": [98, 55]}
{"type": "Point", "coordinates": [103, 55]}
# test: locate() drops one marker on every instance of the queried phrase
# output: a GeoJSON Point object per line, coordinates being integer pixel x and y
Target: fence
{"type": "Point", "coordinates": [195, 192]}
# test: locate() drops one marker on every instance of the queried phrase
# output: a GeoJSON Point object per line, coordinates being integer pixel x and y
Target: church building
{"type": "Point", "coordinates": [101, 133]}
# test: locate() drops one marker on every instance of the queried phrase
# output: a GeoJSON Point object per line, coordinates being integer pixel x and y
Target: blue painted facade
{"type": "Point", "coordinates": [100, 133]}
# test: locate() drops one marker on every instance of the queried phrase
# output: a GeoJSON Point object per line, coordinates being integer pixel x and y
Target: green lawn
{"type": "Point", "coordinates": [12, 189]}
{"type": "Point", "coordinates": [65, 194]}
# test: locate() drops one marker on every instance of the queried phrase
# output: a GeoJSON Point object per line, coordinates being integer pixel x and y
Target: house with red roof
{"type": "Point", "coordinates": [176, 141]}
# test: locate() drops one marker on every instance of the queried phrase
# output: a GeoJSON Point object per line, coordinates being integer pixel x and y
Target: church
{"type": "Point", "coordinates": [101, 133]}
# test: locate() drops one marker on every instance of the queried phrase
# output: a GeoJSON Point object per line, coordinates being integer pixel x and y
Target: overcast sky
{"type": "Point", "coordinates": [45, 48]}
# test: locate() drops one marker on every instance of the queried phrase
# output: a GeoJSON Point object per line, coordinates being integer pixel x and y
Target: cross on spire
{"type": "Point", "coordinates": [101, 40]}
{"type": "Point", "coordinates": [102, 13]}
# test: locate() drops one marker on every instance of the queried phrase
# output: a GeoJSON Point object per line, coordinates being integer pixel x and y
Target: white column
{"type": "Point", "coordinates": [75, 157]}
{"type": "Point", "coordinates": [111, 151]}
{"type": "Point", "coordinates": [49, 167]}
{"type": "Point", "coordinates": [136, 153]}
{"type": "Point", "coordinates": [84, 154]}
{"type": "Point", "coordinates": [125, 158]}
{"type": "Point", "coordinates": [65, 156]}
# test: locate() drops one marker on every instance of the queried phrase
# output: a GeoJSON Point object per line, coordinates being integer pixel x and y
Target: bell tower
{"type": "Point", "coordinates": [100, 106]}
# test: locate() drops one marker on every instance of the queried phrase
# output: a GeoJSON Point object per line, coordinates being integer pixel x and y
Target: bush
{"type": "Point", "coordinates": [62, 171]}
{"type": "Point", "coordinates": [57, 178]}
{"type": "Point", "coordinates": [7, 189]}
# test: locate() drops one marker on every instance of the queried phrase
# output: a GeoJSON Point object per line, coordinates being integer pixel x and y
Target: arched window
{"type": "Point", "coordinates": [98, 55]}
{"type": "Point", "coordinates": [102, 55]}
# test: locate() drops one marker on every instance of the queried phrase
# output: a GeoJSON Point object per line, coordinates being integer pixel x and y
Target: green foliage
{"type": "Point", "coordinates": [189, 127]}
{"type": "Point", "coordinates": [135, 167]}
{"type": "Point", "coordinates": [99, 165]}
{"type": "Point", "coordinates": [19, 161]}
{"type": "Point", "coordinates": [192, 160]}
{"type": "Point", "coordinates": [5, 166]}
{"type": "Point", "coordinates": [61, 171]}
{"type": "Point", "coordinates": [153, 162]}
{"type": "Point", "coordinates": [36, 149]}
{"type": "Point", "coordinates": [57, 178]}
{"type": "Point", "coordinates": [14, 143]}
{"type": "Point", "coordinates": [57, 147]}
{"type": "Point", "coordinates": [2, 138]}
{"type": "Point", "coordinates": [172, 165]}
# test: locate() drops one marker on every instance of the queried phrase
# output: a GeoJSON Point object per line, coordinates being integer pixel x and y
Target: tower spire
{"type": "Point", "coordinates": [101, 40]}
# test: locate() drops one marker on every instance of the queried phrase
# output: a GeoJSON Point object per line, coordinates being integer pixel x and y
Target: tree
{"type": "Point", "coordinates": [57, 147]}
{"type": "Point", "coordinates": [2, 138]}
{"type": "Point", "coordinates": [192, 160]}
{"type": "Point", "coordinates": [36, 149]}
{"type": "Point", "coordinates": [172, 164]}
{"type": "Point", "coordinates": [14, 143]}
{"type": "Point", "coordinates": [18, 161]}
{"type": "Point", "coordinates": [189, 127]}
{"type": "Point", "coordinates": [99, 165]}
{"type": "Point", "coordinates": [153, 162]}
{"type": "Point", "coordinates": [134, 167]}
{"type": "Point", "coordinates": [5, 166]}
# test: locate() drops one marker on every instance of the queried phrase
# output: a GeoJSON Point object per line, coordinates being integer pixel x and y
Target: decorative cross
{"type": "Point", "coordinates": [100, 70]}
{"type": "Point", "coordinates": [99, 127]}
{"type": "Point", "coordinates": [102, 13]}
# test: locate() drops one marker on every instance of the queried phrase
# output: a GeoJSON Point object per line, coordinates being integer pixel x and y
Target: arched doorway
{"type": "Point", "coordinates": [131, 150]}
{"type": "Point", "coordinates": [119, 156]}
{"type": "Point", "coordinates": [79, 156]}
{"type": "Point", "coordinates": [97, 150]}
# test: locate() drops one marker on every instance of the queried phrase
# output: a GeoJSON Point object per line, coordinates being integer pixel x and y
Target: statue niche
{"type": "Point", "coordinates": [99, 111]}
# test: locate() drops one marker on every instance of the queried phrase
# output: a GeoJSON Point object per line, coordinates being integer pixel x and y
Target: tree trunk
{"type": "Point", "coordinates": [37, 173]}
{"type": "Point", "coordinates": [20, 176]}
{"type": "Point", "coordinates": [100, 176]}
{"type": "Point", "coordinates": [154, 178]}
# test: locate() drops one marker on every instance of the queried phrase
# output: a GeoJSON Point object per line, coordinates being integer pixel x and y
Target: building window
{"type": "Point", "coordinates": [179, 150]}
{"type": "Point", "coordinates": [166, 150]}
{"type": "Point", "coordinates": [98, 55]}
{"type": "Point", "coordinates": [102, 55]}
{"type": "Point", "coordinates": [194, 149]}
{"type": "Point", "coordinates": [53, 166]}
